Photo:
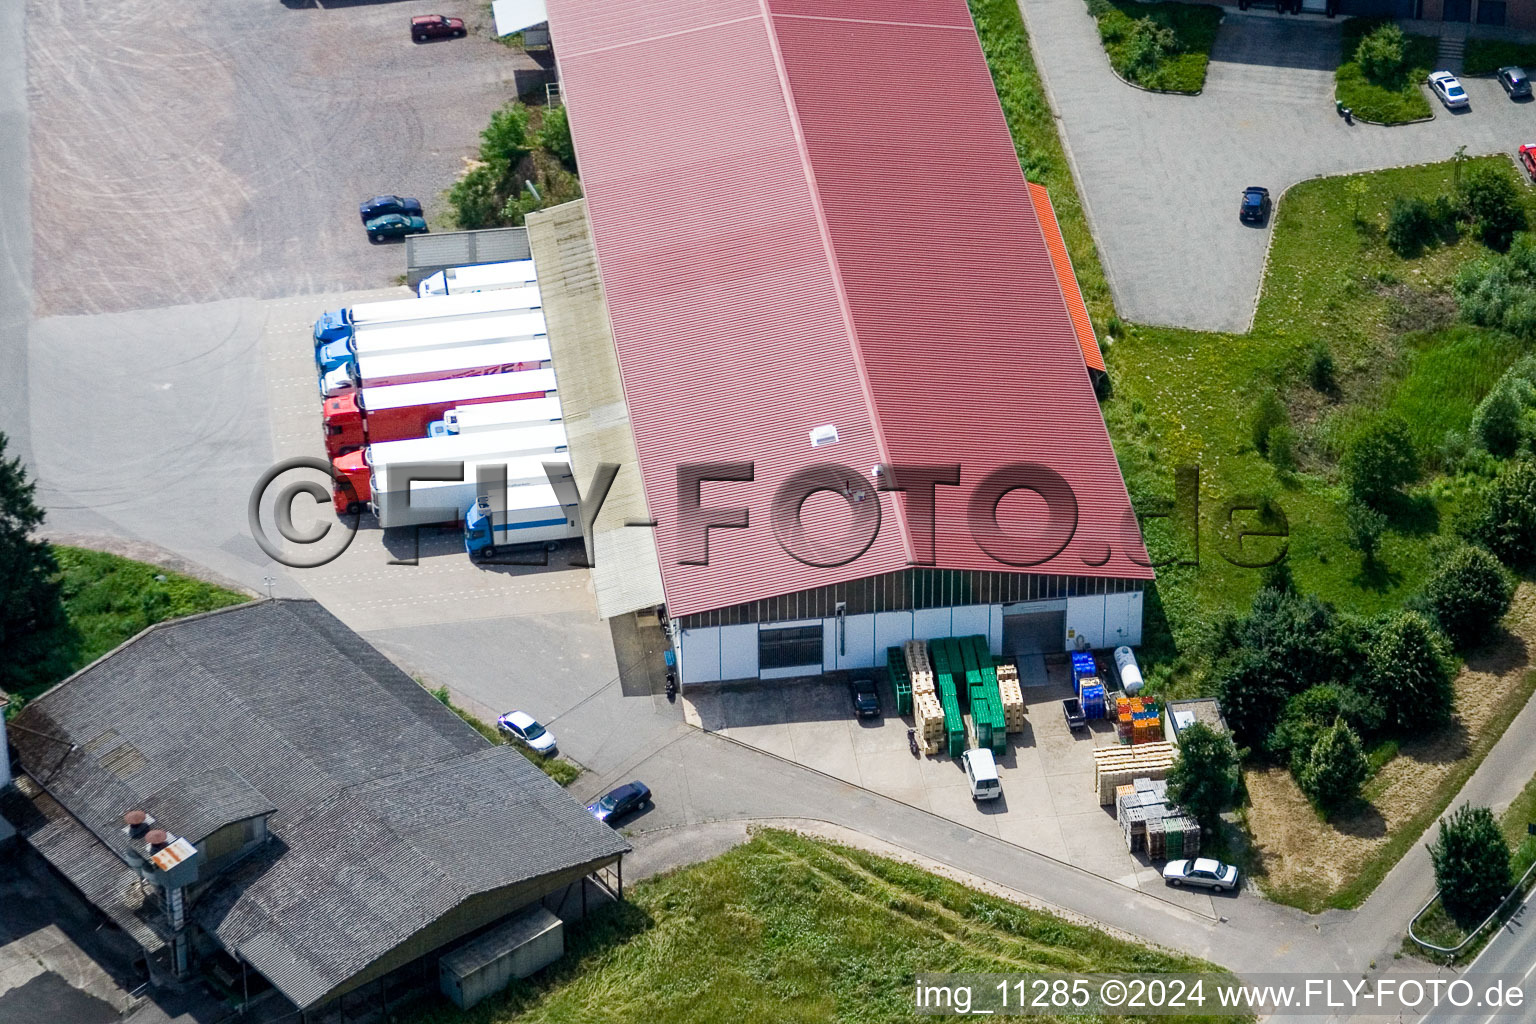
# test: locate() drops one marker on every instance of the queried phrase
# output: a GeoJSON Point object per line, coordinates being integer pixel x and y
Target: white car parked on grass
{"type": "Point", "coordinates": [1448, 88]}
{"type": "Point", "coordinates": [520, 727]}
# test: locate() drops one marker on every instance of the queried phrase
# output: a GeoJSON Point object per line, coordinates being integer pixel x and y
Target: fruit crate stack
{"type": "Point", "coordinates": [1157, 837]}
{"type": "Point", "coordinates": [928, 715]}
{"type": "Point", "coordinates": [1012, 694]}
{"type": "Point", "coordinates": [915, 653]}
{"type": "Point", "coordinates": [1138, 720]}
{"type": "Point", "coordinates": [1118, 766]}
{"type": "Point", "coordinates": [901, 679]}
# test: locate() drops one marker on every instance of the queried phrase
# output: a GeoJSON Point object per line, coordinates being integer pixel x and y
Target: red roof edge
{"type": "Point", "coordinates": [1067, 277]}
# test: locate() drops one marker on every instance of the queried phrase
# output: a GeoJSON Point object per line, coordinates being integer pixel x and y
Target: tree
{"type": "Point", "coordinates": [1492, 200]}
{"type": "Point", "coordinates": [1293, 630]}
{"type": "Point", "coordinates": [1500, 291]}
{"type": "Point", "coordinates": [1147, 45]}
{"type": "Point", "coordinates": [1251, 700]}
{"type": "Point", "coordinates": [1357, 190]}
{"type": "Point", "coordinates": [555, 136]}
{"type": "Point", "coordinates": [1468, 595]}
{"type": "Point", "coordinates": [1334, 768]}
{"type": "Point", "coordinates": [1407, 671]}
{"type": "Point", "coordinates": [1471, 864]}
{"type": "Point", "coordinates": [504, 142]}
{"type": "Point", "coordinates": [1379, 459]}
{"type": "Point", "coordinates": [1410, 225]}
{"type": "Point", "coordinates": [1365, 526]}
{"type": "Point", "coordinates": [1268, 416]}
{"type": "Point", "coordinates": [1503, 517]}
{"type": "Point", "coordinates": [1382, 54]}
{"type": "Point", "coordinates": [30, 604]}
{"type": "Point", "coordinates": [1204, 777]}
{"type": "Point", "coordinates": [1322, 374]}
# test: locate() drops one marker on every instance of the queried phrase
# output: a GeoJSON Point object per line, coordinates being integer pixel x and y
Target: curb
{"type": "Point", "coordinates": [1127, 81]}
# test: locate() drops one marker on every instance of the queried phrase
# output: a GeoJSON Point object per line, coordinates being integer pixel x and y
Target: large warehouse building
{"type": "Point", "coordinates": [827, 278]}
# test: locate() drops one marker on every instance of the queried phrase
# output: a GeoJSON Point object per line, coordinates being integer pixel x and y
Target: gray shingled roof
{"type": "Point", "coordinates": [388, 810]}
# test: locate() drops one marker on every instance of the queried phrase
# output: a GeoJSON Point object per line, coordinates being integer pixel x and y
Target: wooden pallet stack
{"type": "Point", "coordinates": [1118, 766]}
{"type": "Point", "coordinates": [1013, 696]}
{"type": "Point", "coordinates": [918, 666]}
{"type": "Point", "coordinates": [928, 716]}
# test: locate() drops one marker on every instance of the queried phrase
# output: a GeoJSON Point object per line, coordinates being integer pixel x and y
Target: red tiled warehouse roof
{"type": "Point", "coordinates": [807, 214]}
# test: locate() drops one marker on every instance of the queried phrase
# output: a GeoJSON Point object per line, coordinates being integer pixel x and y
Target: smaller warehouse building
{"type": "Point", "coordinates": [1179, 715]}
{"type": "Point", "coordinates": [260, 794]}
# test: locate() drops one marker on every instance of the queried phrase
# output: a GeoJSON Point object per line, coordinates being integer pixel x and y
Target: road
{"type": "Point", "coordinates": [1512, 953]}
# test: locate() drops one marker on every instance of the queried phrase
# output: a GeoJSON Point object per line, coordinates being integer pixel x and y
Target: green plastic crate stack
{"type": "Point", "coordinates": [1174, 838]}
{"type": "Point", "coordinates": [901, 681]}
{"type": "Point", "coordinates": [984, 691]}
{"type": "Point", "coordinates": [949, 699]}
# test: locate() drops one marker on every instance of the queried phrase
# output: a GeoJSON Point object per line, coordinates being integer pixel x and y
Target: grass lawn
{"type": "Point", "coordinates": [1485, 56]}
{"type": "Point", "coordinates": [108, 600]}
{"type": "Point", "coordinates": [784, 929]}
{"type": "Point", "coordinates": [558, 768]}
{"type": "Point", "coordinates": [1394, 102]}
{"type": "Point", "coordinates": [1194, 32]}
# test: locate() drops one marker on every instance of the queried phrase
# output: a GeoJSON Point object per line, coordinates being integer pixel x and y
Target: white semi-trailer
{"type": "Point", "coordinates": [397, 501]}
{"type": "Point", "coordinates": [384, 369]}
{"type": "Point", "coordinates": [470, 419]}
{"type": "Point", "coordinates": [486, 277]}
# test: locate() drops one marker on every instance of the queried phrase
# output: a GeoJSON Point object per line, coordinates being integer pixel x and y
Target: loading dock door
{"type": "Point", "coordinates": [1035, 633]}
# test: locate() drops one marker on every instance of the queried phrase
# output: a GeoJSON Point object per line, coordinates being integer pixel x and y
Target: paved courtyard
{"type": "Point", "coordinates": [1161, 175]}
{"type": "Point", "coordinates": [1049, 804]}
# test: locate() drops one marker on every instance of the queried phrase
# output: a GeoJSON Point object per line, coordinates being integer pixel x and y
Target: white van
{"type": "Point", "coordinates": [981, 772]}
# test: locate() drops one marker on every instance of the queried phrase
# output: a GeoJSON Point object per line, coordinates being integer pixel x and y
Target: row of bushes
{"type": "Point", "coordinates": [1487, 200]}
{"type": "Point", "coordinates": [1307, 686]}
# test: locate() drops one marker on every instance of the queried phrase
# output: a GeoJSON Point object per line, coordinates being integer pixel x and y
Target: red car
{"type": "Point", "coordinates": [435, 26]}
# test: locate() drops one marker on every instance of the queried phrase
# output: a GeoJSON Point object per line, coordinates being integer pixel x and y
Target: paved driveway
{"type": "Point", "coordinates": [1161, 175]}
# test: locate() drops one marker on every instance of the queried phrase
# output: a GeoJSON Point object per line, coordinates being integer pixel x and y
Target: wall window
{"type": "Point", "coordinates": [789, 647]}
{"type": "Point", "coordinates": [1490, 12]}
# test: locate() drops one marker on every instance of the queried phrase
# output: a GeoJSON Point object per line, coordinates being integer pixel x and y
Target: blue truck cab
{"type": "Point", "coordinates": [333, 325]}
{"type": "Point", "coordinates": [437, 428]}
{"type": "Point", "coordinates": [334, 354]}
{"type": "Point", "coordinates": [483, 535]}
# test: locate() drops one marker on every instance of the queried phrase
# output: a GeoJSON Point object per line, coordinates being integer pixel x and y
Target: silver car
{"type": "Point", "coordinates": [1448, 89]}
{"type": "Point", "coordinates": [1203, 871]}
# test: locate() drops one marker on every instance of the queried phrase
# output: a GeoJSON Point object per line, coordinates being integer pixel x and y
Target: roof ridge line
{"type": "Point", "coordinates": [664, 35]}
{"type": "Point", "coordinates": [845, 310]}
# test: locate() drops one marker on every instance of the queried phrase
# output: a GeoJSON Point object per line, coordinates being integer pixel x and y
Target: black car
{"type": "Point", "coordinates": [1515, 82]}
{"type": "Point", "coordinates": [1255, 205]}
{"type": "Point", "coordinates": [866, 700]}
{"type": "Point", "coordinates": [620, 801]}
{"type": "Point", "coordinates": [382, 206]}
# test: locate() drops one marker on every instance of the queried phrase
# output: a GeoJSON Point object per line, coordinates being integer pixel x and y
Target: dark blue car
{"type": "Point", "coordinates": [618, 802]}
{"type": "Point", "coordinates": [1255, 206]}
{"type": "Point", "coordinates": [380, 206]}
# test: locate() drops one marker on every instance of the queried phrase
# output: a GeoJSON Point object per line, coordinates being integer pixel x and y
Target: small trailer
{"type": "Point", "coordinates": [1072, 711]}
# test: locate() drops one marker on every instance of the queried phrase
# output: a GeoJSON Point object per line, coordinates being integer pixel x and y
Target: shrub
{"type": "Point", "coordinates": [1500, 291]}
{"type": "Point", "coordinates": [1471, 862]}
{"type": "Point", "coordinates": [1335, 767]}
{"type": "Point", "coordinates": [1410, 226]}
{"type": "Point", "coordinates": [1146, 45]}
{"type": "Point", "coordinates": [1204, 778]}
{"type": "Point", "coordinates": [504, 142]}
{"type": "Point", "coordinates": [1492, 200]}
{"type": "Point", "coordinates": [1269, 415]}
{"type": "Point", "coordinates": [1468, 595]}
{"type": "Point", "coordinates": [1498, 421]}
{"type": "Point", "coordinates": [1379, 459]}
{"type": "Point", "coordinates": [1503, 516]}
{"type": "Point", "coordinates": [1282, 448]}
{"type": "Point", "coordinates": [1408, 673]}
{"type": "Point", "coordinates": [1382, 54]}
{"type": "Point", "coordinates": [1365, 526]}
{"type": "Point", "coordinates": [1321, 372]}
{"type": "Point", "coordinates": [555, 136]}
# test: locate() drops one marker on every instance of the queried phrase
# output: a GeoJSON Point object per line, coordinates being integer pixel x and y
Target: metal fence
{"type": "Point", "coordinates": [425, 255]}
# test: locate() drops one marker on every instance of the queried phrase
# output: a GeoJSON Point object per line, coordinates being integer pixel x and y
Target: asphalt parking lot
{"type": "Point", "coordinates": [191, 150]}
{"type": "Point", "coordinates": [1048, 805]}
{"type": "Point", "coordinates": [1161, 175]}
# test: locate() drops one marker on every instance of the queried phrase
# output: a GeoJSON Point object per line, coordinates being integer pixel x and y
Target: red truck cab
{"type": "Point", "coordinates": [352, 468]}
{"type": "Point", "coordinates": [343, 424]}
{"type": "Point", "coordinates": [435, 26]}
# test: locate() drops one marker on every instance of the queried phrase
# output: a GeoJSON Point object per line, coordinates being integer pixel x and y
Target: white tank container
{"type": "Point", "coordinates": [1130, 674]}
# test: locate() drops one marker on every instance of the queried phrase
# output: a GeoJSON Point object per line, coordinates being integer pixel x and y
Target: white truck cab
{"type": "Point", "coordinates": [981, 773]}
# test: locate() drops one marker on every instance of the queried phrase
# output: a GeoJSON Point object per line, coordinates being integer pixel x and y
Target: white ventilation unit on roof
{"type": "Point", "coordinates": [823, 435]}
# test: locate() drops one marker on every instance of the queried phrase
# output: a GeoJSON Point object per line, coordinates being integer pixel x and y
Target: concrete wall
{"type": "Point", "coordinates": [720, 653]}
{"type": "Point", "coordinates": [529, 942]}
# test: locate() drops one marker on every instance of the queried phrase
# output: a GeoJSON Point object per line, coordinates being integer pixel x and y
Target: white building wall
{"type": "Point", "coordinates": [700, 656]}
{"type": "Point", "coordinates": [855, 648]}
{"type": "Point", "coordinates": [931, 623]}
{"type": "Point", "coordinates": [969, 620]}
{"type": "Point", "coordinates": [995, 629]}
{"type": "Point", "coordinates": [892, 629]}
{"type": "Point", "coordinates": [738, 651]}
{"type": "Point", "coordinates": [1122, 619]}
{"type": "Point", "coordinates": [1085, 621]}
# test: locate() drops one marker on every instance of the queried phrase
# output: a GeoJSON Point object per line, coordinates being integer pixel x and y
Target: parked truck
{"type": "Point", "coordinates": [340, 323]}
{"type": "Point", "coordinates": [486, 277]}
{"type": "Point", "coordinates": [402, 411]}
{"type": "Point", "coordinates": [397, 501]}
{"type": "Point", "coordinates": [355, 468]}
{"type": "Point", "coordinates": [419, 335]}
{"type": "Point", "coordinates": [436, 364]}
{"type": "Point", "coordinates": [495, 416]}
{"type": "Point", "coordinates": [533, 515]}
